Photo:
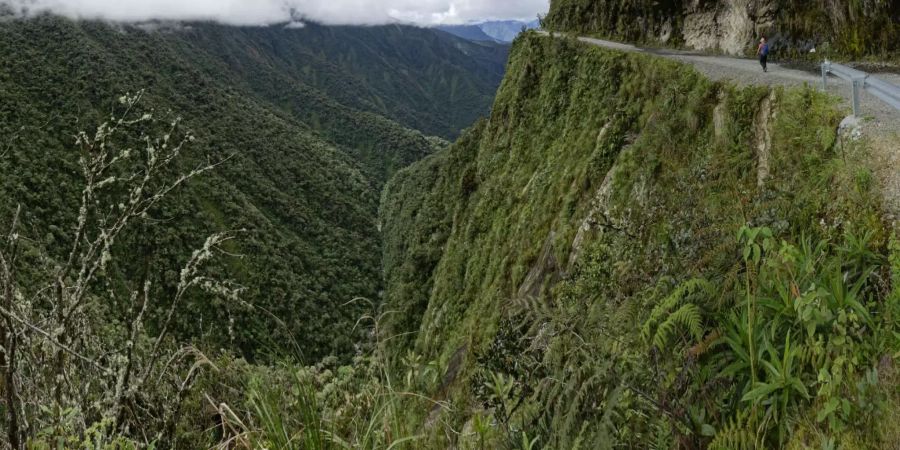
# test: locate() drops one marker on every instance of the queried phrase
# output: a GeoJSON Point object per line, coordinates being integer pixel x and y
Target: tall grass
{"type": "Point", "coordinates": [325, 408]}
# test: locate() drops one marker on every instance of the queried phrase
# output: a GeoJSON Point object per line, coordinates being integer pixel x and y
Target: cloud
{"type": "Point", "coordinates": [267, 12]}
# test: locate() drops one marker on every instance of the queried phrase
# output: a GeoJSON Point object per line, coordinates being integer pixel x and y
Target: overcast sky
{"type": "Point", "coordinates": [262, 12]}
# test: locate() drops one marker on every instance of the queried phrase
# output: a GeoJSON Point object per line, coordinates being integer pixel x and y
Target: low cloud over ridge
{"type": "Point", "coordinates": [266, 12]}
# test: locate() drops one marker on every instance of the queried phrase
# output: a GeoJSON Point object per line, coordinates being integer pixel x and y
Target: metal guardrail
{"type": "Point", "coordinates": [885, 91]}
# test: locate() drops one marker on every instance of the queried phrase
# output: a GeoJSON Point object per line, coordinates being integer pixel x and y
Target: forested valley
{"type": "Point", "coordinates": [191, 184]}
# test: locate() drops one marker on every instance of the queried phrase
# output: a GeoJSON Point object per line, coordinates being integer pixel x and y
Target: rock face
{"type": "Point", "coordinates": [730, 26]}
{"type": "Point", "coordinates": [840, 27]}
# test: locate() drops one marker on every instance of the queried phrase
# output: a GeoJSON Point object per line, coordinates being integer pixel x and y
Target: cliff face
{"type": "Point", "coordinates": [838, 27]}
{"type": "Point", "coordinates": [540, 245]}
{"type": "Point", "coordinates": [729, 25]}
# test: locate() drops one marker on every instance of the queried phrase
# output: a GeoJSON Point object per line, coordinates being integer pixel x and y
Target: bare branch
{"type": "Point", "coordinates": [8, 335]}
{"type": "Point", "coordinates": [124, 179]}
{"type": "Point", "coordinates": [49, 337]}
{"type": "Point", "coordinates": [189, 279]}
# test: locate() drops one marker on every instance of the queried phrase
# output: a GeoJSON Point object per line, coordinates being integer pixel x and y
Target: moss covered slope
{"type": "Point", "coordinates": [555, 242]}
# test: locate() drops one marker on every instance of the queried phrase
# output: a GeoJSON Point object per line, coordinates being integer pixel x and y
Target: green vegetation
{"type": "Point", "coordinates": [300, 119]}
{"type": "Point", "coordinates": [625, 254]}
{"type": "Point", "coordinates": [618, 258]}
{"type": "Point", "coordinates": [845, 29]}
{"type": "Point", "coordinates": [431, 82]}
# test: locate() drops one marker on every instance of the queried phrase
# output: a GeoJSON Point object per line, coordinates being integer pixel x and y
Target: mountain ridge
{"type": "Point", "coordinates": [503, 31]}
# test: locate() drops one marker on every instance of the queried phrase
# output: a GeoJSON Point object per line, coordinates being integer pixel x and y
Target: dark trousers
{"type": "Point", "coordinates": [763, 59]}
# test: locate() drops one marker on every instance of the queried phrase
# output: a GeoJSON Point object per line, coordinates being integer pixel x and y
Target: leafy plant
{"type": "Point", "coordinates": [781, 387]}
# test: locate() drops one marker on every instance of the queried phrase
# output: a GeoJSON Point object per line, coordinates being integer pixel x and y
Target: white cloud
{"type": "Point", "coordinates": [265, 12]}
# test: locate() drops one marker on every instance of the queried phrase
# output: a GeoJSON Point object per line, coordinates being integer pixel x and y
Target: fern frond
{"type": "Point", "coordinates": [663, 323]}
{"type": "Point", "coordinates": [689, 291]}
{"type": "Point", "coordinates": [736, 435]}
{"type": "Point", "coordinates": [688, 317]}
{"type": "Point", "coordinates": [711, 340]}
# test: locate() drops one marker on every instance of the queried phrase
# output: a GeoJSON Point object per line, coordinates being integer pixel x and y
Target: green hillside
{"type": "Point", "coordinates": [427, 81]}
{"type": "Point", "coordinates": [627, 254]}
{"type": "Point", "coordinates": [309, 125]}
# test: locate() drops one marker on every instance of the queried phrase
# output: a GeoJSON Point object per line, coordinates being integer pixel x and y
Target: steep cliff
{"type": "Point", "coordinates": [839, 28]}
{"type": "Point", "coordinates": [599, 248]}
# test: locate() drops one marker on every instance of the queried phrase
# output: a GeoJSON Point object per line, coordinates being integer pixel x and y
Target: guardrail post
{"type": "Point", "coordinates": [861, 81]}
{"type": "Point", "coordinates": [857, 86]}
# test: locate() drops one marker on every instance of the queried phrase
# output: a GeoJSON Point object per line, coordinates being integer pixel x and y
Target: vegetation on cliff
{"type": "Point", "coordinates": [628, 254]}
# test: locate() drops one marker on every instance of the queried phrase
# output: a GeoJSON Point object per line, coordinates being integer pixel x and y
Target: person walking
{"type": "Point", "coordinates": [763, 52]}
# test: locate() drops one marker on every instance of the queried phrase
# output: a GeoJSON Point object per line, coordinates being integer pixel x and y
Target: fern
{"type": "Point", "coordinates": [688, 317]}
{"type": "Point", "coordinates": [663, 324]}
{"type": "Point", "coordinates": [735, 435]}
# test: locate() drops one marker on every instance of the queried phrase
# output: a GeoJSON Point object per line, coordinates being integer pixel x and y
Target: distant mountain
{"type": "Point", "coordinates": [507, 30]}
{"type": "Point", "coordinates": [504, 31]}
{"type": "Point", "coordinates": [429, 81]}
{"type": "Point", "coordinates": [470, 32]}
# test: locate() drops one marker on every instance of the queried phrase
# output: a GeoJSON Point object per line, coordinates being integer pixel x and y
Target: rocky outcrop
{"type": "Point", "coordinates": [837, 27]}
{"type": "Point", "coordinates": [731, 26]}
{"type": "Point", "coordinates": [763, 136]}
{"type": "Point", "coordinates": [545, 267]}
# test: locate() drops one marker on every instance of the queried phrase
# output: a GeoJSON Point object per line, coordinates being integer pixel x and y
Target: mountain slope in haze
{"type": "Point", "coordinates": [504, 31]}
{"type": "Point", "coordinates": [310, 126]}
{"type": "Point", "coordinates": [624, 254]}
{"type": "Point", "coordinates": [428, 81]}
{"type": "Point", "coordinates": [468, 32]}
{"type": "Point", "coordinates": [507, 30]}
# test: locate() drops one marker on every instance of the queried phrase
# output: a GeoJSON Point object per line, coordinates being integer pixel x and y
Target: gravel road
{"type": "Point", "coordinates": [748, 71]}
